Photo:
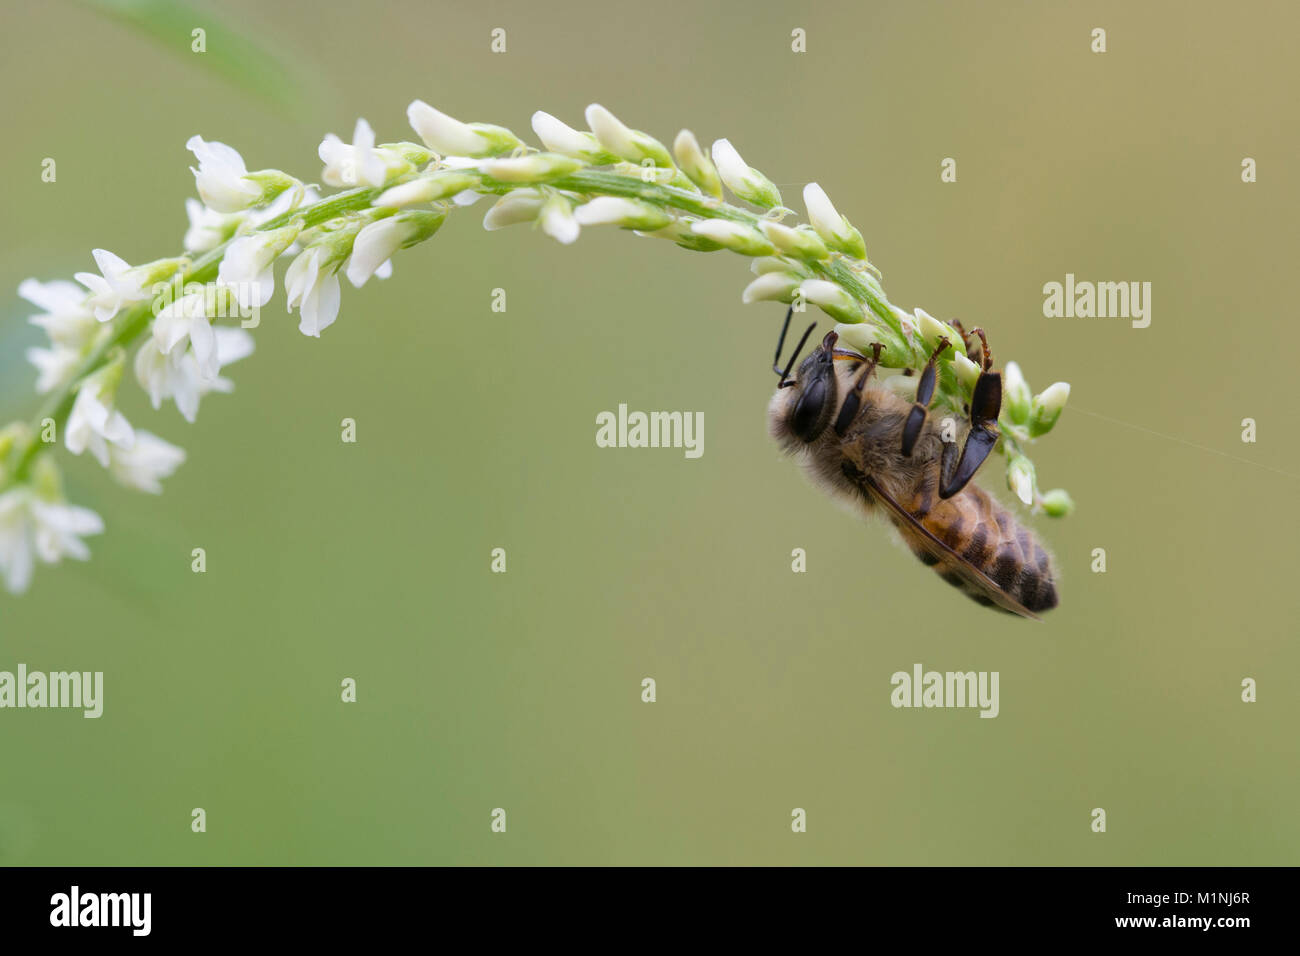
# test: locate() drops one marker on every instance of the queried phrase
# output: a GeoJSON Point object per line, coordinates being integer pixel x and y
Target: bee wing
{"type": "Point", "coordinates": [921, 536]}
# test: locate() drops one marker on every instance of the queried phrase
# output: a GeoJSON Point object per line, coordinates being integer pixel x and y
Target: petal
{"type": "Point", "coordinates": [109, 264]}
{"type": "Point", "coordinates": [118, 430]}
{"type": "Point", "coordinates": [225, 159]}
{"type": "Point", "coordinates": [232, 345]}
{"type": "Point", "coordinates": [97, 285]}
{"type": "Point", "coordinates": [203, 342]}
{"type": "Point", "coordinates": [363, 137]}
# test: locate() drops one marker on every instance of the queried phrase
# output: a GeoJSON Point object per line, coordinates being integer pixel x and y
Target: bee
{"type": "Point", "coordinates": [868, 445]}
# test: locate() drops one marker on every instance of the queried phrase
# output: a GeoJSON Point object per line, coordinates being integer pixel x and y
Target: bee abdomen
{"type": "Point", "coordinates": [986, 536]}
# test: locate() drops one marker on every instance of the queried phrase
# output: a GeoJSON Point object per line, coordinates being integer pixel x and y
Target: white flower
{"type": "Point", "coordinates": [208, 228]}
{"type": "Point", "coordinates": [69, 323]}
{"type": "Point", "coordinates": [803, 243]}
{"type": "Point", "coordinates": [55, 365]}
{"type": "Point", "coordinates": [822, 212]}
{"type": "Point", "coordinates": [557, 220]}
{"type": "Point", "coordinates": [533, 168]}
{"type": "Point", "coordinates": [374, 245]}
{"type": "Point", "coordinates": [222, 177]}
{"type": "Point", "coordinates": [31, 527]}
{"type": "Point", "coordinates": [766, 264]}
{"type": "Point", "coordinates": [187, 317]}
{"type": "Point", "coordinates": [1020, 479]}
{"type": "Point", "coordinates": [743, 180]}
{"type": "Point", "coordinates": [443, 133]}
{"type": "Point", "coordinates": [697, 167]}
{"type": "Point", "coordinates": [834, 229]}
{"type": "Point", "coordinates": [94, 423]}
{"type": "Point", "coordinates": [617, 211]}
{"type": "Point", "coordinates": [437, 185]}
{"type": "Point", "coordinates": [450, 136]}
{"type": "Point", "coordinates": [248, 267]}
{"type": "Point", "coordinates": [1046, 407]}
{"type": "Point", "coordinates": [118, 286]}
{"type": "Point", "coordinates": [832, 299]}
{"type": "Point", "coordinates": [1015, 391]}
{"type": "Point", "coordinates": [967, 371]}
{"type": "Point", "coordinates": [932, 330]}
{"type": "Point", "coordinates": [177, 375]}
{"type": "Point", "coordinates": [355, 165]}
{"type": "Point", "coordinates": [1053, 398]}
{"type": "Point", "coordinates": [67, 319]}
{"type": "Point", "coordinates": [146, 463]}
{"type": "Point", "coordinates": [624, 142]}
{"type": "Point", "coordinates": [771, 286]}
{"type": "Point", "coordinates": [612, 133]}
{"type": "Point", "coordinates": [560, 137]}
{"type": "Point", "coordinates": [518, 205]}
{"type": "Point", "coordinates": [312, 285]}
{"type": "Point", "coordinates": [288, 200]}
{"type": "Point", "coordinates": [734, 236]}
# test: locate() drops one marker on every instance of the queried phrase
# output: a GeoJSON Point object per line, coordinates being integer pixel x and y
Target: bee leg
{"type": "Point", "coordinates": [986, 355]}
{"type": "Point", "coordinates": [986, 403]}
{"type": "Point", "coordinates": [965, 337]}
{"type": "Point", "coordinates": [924, 394]}
{"type": "Point", "coordinates": [853, 400]}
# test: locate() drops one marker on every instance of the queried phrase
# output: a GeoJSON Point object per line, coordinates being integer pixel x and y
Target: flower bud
{"type": "Point", "coordinates": [629, 144]}
{"type": "Point", "coordinates": [1015, 393]}
{"type": "Point", "coordinates": [1046, 407]}
{"type": "Point", "coordinates": [776, 264]}
{"type": "Point", "coordinates": [771, 286]}
{"type": "Point", "coordinates": [734, 236]}
{"type": "Point", "coordinates": [625, 213]}
{"type": "Point", "coordinates": [968, 372]}
{"type": "Point", "coordinates": [535, 168]}
{"type": "Point", "coordinates": [272, 182]}
{"type": "Point", "coordinates": [450, 136]}
{"type": "Point", "coordinates": [560, 137]}
{"type": "Point", "coordinates": [247, 266]}
{"type": "Point", "coordinates": [1020, 478]}
{"type": "Point", "coordinates": [932, 330]}
{"type": "Point", "coordinates": [1057, 503]}
{"type": "Point", "coordinates": [520, 205]}
{"type": "Point", "coordinates": [435, 186]}
{"type": "Point", "coordinates": [801, 242]}
{"type": "Point", "coordinates": [838, 233]}
{"type": "Point", "coordinates": [862, 336]}
{"type": "Point", "coordinates": [744, 180]}
{"type": "Point", "coordinates": [697, 166]}
{"type": "Point", "coordinates": [831, 299]}
{"type": "Point", "coordinates": [557, 219]}
{"type": "Point", "coordinates": [377, 242]}
{"type": "Point", "coordinates": [681, 232]}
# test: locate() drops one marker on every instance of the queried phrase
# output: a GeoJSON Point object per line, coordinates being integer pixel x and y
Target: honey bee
{"type": "Point", "coordinates": [868, 445]}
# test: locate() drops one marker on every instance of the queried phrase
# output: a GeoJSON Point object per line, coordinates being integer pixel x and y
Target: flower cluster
{"type": "Point", "coordinates": [394, 196]}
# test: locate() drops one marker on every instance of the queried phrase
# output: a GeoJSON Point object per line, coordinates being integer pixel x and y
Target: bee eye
{"type": "Point", "coordinates": [808, 420]}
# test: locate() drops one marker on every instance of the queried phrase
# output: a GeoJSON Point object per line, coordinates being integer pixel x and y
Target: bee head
{"type": "Point", "coordinates": [802, 407]}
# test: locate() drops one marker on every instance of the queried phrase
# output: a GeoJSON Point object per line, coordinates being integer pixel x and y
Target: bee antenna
{"type": "Point", "coordinates": [780, 344]}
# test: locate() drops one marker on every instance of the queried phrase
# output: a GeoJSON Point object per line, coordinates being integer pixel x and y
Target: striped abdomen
{"type": "Point", "coordinates": [987, 537]}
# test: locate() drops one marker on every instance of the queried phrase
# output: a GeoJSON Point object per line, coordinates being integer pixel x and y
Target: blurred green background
{"type": "Point", "coordinates": [476, 430]}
